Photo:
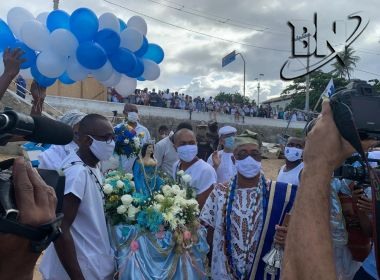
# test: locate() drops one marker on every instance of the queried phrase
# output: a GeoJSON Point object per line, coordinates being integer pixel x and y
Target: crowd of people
{"type": "Point", "coordinates": [176, 100]}
{"type": "Point", "coordinates": [249, 232]}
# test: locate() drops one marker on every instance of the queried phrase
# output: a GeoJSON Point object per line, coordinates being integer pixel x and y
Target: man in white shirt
{"type": "Point", "coordinates": [290, 172]}
{"type": "Point", "coordinates": [165, 153]}
{"type": "Point", "coordinates": [52, 158]}
{"type": "Point", "coordinates": [132, 117]}
{"type": "Point", "coordinates": [222, 160]}
{"type": "Point", "coordinates": [203, 176]}
{"type": "Point", "coordinates": [83, 250]}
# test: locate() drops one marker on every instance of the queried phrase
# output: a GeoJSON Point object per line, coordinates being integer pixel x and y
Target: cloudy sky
{"type": "Point", "coordinates": [196, 34]}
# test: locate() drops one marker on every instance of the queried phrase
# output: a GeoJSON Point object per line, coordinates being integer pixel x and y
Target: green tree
{"type": "Point", "coordinates": [318, 83]}
{"type": "Point", "coordinates": [233, 98]}
{"type": "Point", "coordinates": [345, 63]}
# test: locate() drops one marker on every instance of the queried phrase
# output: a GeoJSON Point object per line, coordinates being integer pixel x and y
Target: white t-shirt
{"type": "Point", "coordinates": [291, 176]}
{"type": "Point", "coordinates": [89, 229]}
{"type": "Point", "coordinates": [226, 169]}
{"type": "Point", "coordinates": [166, 155]}
{"type": "Point", "coordinates": [202, 174]}
{"type": "Point", "coordinates": [52, 158]}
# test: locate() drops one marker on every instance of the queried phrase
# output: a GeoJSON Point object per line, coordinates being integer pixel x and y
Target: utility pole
{"type": "Point", "coordinates": [258, 89]}
{"type": "Point", "coordinates": [55, 4]}
{"type": "Point", "coordinates": [307, 97]}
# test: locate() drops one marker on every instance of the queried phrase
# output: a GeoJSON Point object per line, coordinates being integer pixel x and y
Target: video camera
{"type": "Point", "coordinates": [355, 169]}
{"type": "Point", "coordinates": [41, 130]}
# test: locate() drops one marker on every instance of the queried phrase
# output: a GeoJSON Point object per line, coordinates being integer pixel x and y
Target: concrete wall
{"type": "Point", "coordinates": [153, 117]}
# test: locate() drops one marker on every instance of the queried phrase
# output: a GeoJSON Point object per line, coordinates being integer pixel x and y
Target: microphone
{"type": "Point", "coordinates": [36, 129]}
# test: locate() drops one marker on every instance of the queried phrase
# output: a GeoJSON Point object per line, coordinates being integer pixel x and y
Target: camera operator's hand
{"type": "Point", "coordinates": [36, 203]}
{"type": "Point", "coordinates": [325, 145]}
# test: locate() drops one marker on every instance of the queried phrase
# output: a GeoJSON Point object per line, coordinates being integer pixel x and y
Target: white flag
{"type": "Point", "coordinates": [329, 90]}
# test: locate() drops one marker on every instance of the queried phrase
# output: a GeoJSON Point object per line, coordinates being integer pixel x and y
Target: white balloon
{"type": "Point", "coordinates": [138, 23]}
{"type": "Point", "coordinates": [51, 64]}
{"type": "Point", "coordinates": [113, 80]}
{"type": "Point", "coordinates": [131, 39]}
{"type": "Point", "coordinates": [75, 71]}
{"type": "Point", "coordinates": [108, 20]}
{"type": "Point", "coordinates": [151, 70]}
{"type": "Point", "coordinates": [103, 73]}
{"type": "Point", "coordinates": [35, 35]}
{"type": "Point", "coordinates": [126, 86]}
{"type": "Point", "coordinates": [26, 74]}
{"type": "Point", "coordinates": [42, 17]}
{"type": "Point", "coordinates": [63, 42]}
{"type": "Point", "coordinates": [16, 17]}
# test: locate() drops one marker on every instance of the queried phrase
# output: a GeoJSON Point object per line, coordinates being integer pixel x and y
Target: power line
{"type": "Point", "coordinates": [182, 6]}
{"type": "Point", "coordinates": [196, 32]}
{"type": "Point", "coordinates": [368, 72]}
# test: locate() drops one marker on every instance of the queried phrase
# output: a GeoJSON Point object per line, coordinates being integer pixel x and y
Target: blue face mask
{"type": "Point", "coordinates": [229, 142]}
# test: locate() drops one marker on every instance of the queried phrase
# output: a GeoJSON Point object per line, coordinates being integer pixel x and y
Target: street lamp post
{"type": "Point", "coordinates": [258, 89]}
{"type": "Point", "coordinates": [243, 72]}
{"type": "Point", "coordinates": [55, 4]}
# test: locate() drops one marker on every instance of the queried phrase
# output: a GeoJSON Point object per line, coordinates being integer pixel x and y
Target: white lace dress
{"type": "Point", "coordinates": [246, 224]}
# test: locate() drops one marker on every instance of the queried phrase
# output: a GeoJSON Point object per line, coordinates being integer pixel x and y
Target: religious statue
{"type": "Point", "coordinates": [145, 171]}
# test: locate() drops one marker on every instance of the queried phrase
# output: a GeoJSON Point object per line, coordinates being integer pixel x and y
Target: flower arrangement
{"type": "Point", "coordinates": [127, 141]}
{"type": "Point", "coordinates": [174, 207]}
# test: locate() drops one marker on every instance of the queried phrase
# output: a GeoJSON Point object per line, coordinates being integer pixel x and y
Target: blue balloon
{"type": "Point", "coordinates": [123, 60]}
{"type": "Point", "coordinates": [84, 24]}
{"type": "Point", "coordinates": [91, 55]}
{"type": "Point", "coordinates": [108, 39]}
{"type": "Point", "coordinates": [65, 79]}
{"type": "Point", "coordinates": [138, 70]}
{"type": "Point", "coordinates": [6, 36]}
{"type": "Point", "coordinates": [141, 79]}
{"type": "Point", "coordinates": [58, 19]}
{"type": "Point", "coordinates": [123, 25]}
{"type": "Point", "coordinates": [41, 79]}
{"type": "Point", "coordinates": [144, 48]}
{"type": "Point", "coordinates": [155, 53]}
{"type": "Point", "coordinates": [29, 54]}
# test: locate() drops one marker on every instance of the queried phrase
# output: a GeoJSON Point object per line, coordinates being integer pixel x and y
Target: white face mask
{"type": "Point", "coordinates": [248, 167]}
{"type": "Point", "coordinates": [187, 153]}
{"type": "Point", "coordinates": [293, 154]}
{"type": "Point", "coordinates": [133, 117]}
{"type": "Point", "coordinates": [101, 149]}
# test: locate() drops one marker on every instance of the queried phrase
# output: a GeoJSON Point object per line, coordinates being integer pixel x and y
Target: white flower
{"type": "Point", "coordinates": [132, 184]}
{"type": "Point", "coordinates": [186, 178]}
{"type": "Point", "coordinates": [121, 209]}
{"type": "Point", "coordinates": [129, 176]}
{"type": "Point", "coordinates": [126, 199]}
{"type": "Point", "coordinates": [180, 173]}
{"type": "Point", "coordinates": [167, 190]}
{"type": "Point", "coordinates": [132, 211]}
{"type": "Point", "coordinates": [136, 140]}
{"type": "Point", "coordinates": [176, 188]}
{"type": "Point", "coordinates": [120, 184]}
{"type": "Point", "coordinates": [159, 198]}
{"type": "Point", "coordinates": [107, 189]}
{"type": "Point", "coordinates": [126, 141]}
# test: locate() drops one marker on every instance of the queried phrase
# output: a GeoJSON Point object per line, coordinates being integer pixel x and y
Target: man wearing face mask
{"type": "Point", "coordinates": [290, 172]}
{"type": "Point", "coordinates": [132, 118]}
{"type": "Point", "coordinates": [222, 160]}
{"type": "Point", "coordinates": [203, 176]}
{"type": "Point", "coordinates": [52, 158]}
{"type": "Point", "coordinates": [83, 250]}
{"type": "Point", "coordinates": [239, 215]}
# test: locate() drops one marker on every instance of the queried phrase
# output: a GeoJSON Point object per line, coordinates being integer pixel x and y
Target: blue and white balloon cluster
{"type": "Point", "coordinates": [72, 47]}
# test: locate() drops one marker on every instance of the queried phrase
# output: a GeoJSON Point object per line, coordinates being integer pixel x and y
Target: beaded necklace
{"type": "Point", "coordinates": [231, 267]}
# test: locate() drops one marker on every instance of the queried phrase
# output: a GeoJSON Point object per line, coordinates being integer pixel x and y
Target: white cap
{"type": "Point", "coordinates": [226, 130]}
